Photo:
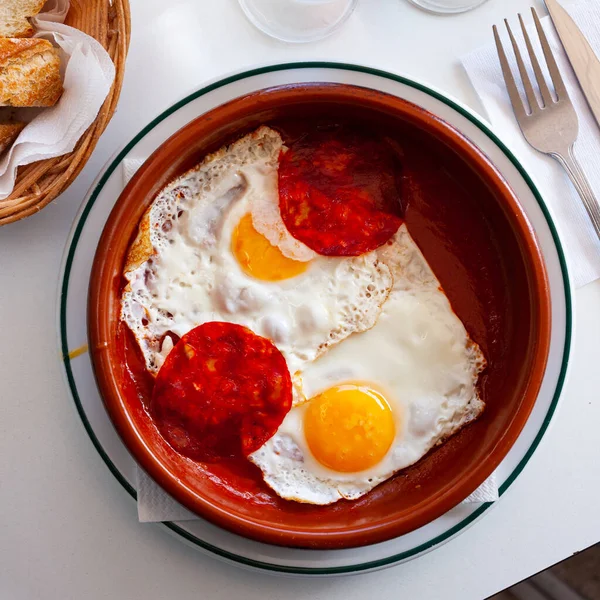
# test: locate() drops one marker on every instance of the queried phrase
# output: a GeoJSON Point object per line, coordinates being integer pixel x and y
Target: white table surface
{"type": "Point", "coordinates": [68, 529]}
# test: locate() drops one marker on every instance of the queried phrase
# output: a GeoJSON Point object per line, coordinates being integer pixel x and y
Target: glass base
{"type": "Point", "coordinates": [298, 21]}
{"type": "Point", "coordinates": [447, 7]}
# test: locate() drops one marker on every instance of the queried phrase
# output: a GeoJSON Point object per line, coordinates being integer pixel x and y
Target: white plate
{"type": "Point", "coordinates": [77, 262]}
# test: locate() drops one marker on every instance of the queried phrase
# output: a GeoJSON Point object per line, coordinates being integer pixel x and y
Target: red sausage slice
{"type": "Point", "coordinates": [339, 193]}
{"type": "Point", "coordinates": [222, 392]}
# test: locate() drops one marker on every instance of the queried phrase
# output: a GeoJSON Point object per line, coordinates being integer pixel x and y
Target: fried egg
{"type": "Point", "coordinates": [383, 369]}
{"type": "Point", "coordinates": [381, 399]}
{"type": "Point", "coordinates": [213, 247]}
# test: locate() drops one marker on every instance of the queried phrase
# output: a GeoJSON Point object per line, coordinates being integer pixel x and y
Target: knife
{"type": "Point", "coordinates": [584, 61]}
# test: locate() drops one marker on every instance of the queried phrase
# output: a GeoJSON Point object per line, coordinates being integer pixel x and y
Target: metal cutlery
{"type": "Point", "coordinates": [581, 55]}
{"type": "Point", "coordinates": [551, 126]}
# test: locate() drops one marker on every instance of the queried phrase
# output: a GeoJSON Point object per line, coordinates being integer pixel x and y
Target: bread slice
{"type": "Point", "coordinates": [14, 17]}
{"type": "Point", "coordinates": [9, 133]}
{"type": "Point", "coordinates": [29, 72]}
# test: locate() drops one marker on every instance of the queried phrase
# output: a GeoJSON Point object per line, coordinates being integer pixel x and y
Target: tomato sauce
{"type": "Point", "coordinates": [447, 208]}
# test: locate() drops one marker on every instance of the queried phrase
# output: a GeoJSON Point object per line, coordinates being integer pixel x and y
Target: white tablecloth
{"type": "Point", "coordinates": [69, 530]}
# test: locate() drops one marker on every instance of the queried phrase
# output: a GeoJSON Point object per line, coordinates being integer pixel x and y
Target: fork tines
{"type": "Point", "coordinates": [557, 81]}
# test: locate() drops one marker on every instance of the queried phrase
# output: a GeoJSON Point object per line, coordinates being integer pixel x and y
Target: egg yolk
{"type": "Point", "coordinates": [258, 257]}
{"type": "Point", "coordinates": [349, 427]}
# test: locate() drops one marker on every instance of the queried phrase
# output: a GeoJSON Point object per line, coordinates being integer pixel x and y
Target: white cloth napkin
{"type": "Point", "coordinates": [154, 504]}
{"type": "Point", "coordinates": [88, 76]}
{"type": "Point", "coordinates": [582, 247]}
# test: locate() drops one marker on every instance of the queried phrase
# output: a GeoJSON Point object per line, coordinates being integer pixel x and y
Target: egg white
{"type": "Point", "coordinates": [381, 318]}
{"type": "Point", "coordinates": [418, 355]}
{"type": "Point", "coordinates": [192, 276]}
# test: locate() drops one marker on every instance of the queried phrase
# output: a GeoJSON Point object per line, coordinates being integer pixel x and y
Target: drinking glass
{"type": "Point", "coordinates": [447, 6]}
{"type": "Point", "coordinates": [298, 20]}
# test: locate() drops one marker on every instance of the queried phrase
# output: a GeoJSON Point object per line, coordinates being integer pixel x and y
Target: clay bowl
{"type": "Point", "coordinates": [473, 232]}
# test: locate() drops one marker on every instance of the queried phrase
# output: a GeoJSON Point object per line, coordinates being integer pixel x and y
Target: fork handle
{"type": "Point", "coordinates": [582, 185]}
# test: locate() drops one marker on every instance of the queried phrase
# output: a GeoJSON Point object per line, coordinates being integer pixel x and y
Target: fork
{"type": "Point", "coordinates": [551, 127]}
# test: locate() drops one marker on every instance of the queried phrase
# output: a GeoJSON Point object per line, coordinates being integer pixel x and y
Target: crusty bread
{"type": "Point", "coordinates": [14, 17]}
{"type": "Point", "coordinates": [9, 133]}
{"type": "Point", "coordinates": [29, 72]}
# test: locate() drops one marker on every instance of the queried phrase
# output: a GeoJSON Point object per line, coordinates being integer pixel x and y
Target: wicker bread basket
{"type": "Point", "coordinates": [39, 183]}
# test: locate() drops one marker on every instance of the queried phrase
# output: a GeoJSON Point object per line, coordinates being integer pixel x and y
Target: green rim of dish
{"type": "Point", "coordinates": [63, 317]}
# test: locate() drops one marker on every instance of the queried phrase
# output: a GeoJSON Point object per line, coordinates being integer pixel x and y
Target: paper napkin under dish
{"type": "Point", "coordinates": [582, 247]}
{"type": "Point", "coordinates": [154, 504]}
{"type": "Point", "coordinates": [88, 76]}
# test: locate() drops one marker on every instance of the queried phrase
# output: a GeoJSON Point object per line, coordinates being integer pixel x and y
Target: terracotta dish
{"type": "Point", "coordinates": [476, 238]}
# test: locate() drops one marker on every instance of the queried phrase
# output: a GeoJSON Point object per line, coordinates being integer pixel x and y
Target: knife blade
{"type": "Point", "coordinates": [584, 61]}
